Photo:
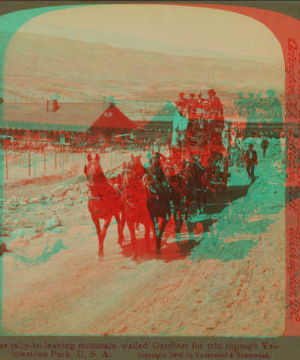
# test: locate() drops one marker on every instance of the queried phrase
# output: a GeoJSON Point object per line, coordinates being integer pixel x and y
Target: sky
{"type": "Point", "coordinates": [175, 30]}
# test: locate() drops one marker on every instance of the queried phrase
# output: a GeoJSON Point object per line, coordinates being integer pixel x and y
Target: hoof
{"type": "Point", "coordinates": [100, 252]}
{"type": "Point", "coordinates": [134, 256]}
{"type": "Point", "coordinates": [120, 243]}
{"type": "Point", "coordinates": [158, 253]}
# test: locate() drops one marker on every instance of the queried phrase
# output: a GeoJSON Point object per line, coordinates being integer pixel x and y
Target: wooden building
{"type": "Point", "coordinates": [111, 124]}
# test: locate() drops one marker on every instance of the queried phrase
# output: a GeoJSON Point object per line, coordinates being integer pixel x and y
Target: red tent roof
{"type": "Point", "coordinates": [113, 118]}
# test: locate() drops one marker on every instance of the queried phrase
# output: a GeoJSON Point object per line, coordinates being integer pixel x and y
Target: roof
{"type": "Point", "coordinates": [113, 118]}
{"type": "Point", "coordinates": [81, 116]}
{"type": "Point", "coordinates": [70, 116]}
{"type": "Point", "coordinates": [165, 114]}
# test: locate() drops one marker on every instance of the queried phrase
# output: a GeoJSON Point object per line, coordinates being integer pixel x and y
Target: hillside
{"type": "Point", "coordinates": [36, 66]}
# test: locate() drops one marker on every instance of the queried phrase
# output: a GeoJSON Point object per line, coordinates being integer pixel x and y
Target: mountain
{"type": "Point", "coordinates": [129, 42]}
{"type": "Point", "coordinates": [40, 65]}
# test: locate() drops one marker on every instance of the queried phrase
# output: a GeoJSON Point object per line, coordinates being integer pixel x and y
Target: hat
{"type": "Point", "coordinates": [181, 93]}
{"type": "Point", "coordinates": [250, 145]}
{"type": "Point", "coordinates": [271, 92]}
{"type": "Point", "coordinates": [211, 91]}
{"type": "Point", "coordinates": [192, 94]}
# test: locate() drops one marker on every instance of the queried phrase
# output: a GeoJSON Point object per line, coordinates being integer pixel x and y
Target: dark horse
{"type": "Point", "coordinates": [178, 198]}
{"type": "Point", "coordinates": [104, 202]}
{"type": "Point", "coordinates": [182, 196]}
{"type": "Point", "coordinates": [158, 204]}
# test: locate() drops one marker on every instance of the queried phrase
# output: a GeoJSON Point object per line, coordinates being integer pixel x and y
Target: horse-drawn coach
{"type": "Point", "coordinates": [178, 184]}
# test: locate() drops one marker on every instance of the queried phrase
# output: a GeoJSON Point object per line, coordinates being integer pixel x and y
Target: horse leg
{"type": "Point", "coordinates": [176, 219]}
{"type": "Point", "coordinates": [96, 221]}
{"type": "Point", "coordinates": [147, 234]}
{"type": "Point", "coordinates": [120, 229]}
{"type": "Point", "coordinates": [123, 220]}
{"type": "Point", "coordinates": [156, 231]}
{"type": "Point", "coordinates": [163, 226]}
{"type": "Point", "coordinates": [103, 232]}
{"type": "Point", "coordinates": [130, 224]}
{"type": "Point", "coordinates": [189, 226]}
{"type": "Point", "coordinates": [181, 219]}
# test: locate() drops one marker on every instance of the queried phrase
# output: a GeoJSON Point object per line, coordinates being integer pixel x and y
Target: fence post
{"type": "Point", "coordinates": [6, 163]}
{"type": "Point", "coordinates": [35, 164]}
{"type": "Point", "coordinates": [59, 156]}
{"type": "Point", "coordinates": [62, 163]}
{"type": "Point", "coordinates": [29, 161]}
{"type": "Point", "coordinates": [44, 159]}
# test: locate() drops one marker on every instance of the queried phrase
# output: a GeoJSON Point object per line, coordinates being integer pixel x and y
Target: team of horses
{"type": "Point", "coordinates": [139, 196]}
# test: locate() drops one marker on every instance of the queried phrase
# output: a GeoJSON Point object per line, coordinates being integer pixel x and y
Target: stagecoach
{"type": "Point", "coordinates": [171, 181]}
{"type": "Point", "coordinates": [203, 135]}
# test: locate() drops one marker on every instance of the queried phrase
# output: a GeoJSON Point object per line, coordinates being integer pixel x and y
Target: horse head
{"type": "Point", "coordinates": [92, 169]}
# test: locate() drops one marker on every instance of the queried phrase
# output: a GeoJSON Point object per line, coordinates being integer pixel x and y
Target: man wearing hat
{"type": "Point", "coordinates": [181, 104]}
{"type": "Point", "coordinates": [251, 161]}
{"type": "Point", "coordinates": [264, 145]}
{"type": "Point", "coordinates": [215, 106]}
{"type": "Point", "coordinates": [192, 105]}
{"type": "Point", "coordinates": [200, 109]}
{"type": "Point", "coordinates": [215, 113]}
{"type": "Point", "coordinates": [193, 125]}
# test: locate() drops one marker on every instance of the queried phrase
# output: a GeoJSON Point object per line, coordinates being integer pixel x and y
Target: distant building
{"type": "Point", "coordinates": [52, 105]}
{"type": "Point", "coordinates": [111, 124]}
{"type": "Point", "coordinates": [161, 125]}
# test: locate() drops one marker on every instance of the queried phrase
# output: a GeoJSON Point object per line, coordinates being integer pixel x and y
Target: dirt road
{"type": "Point", "coordinates": [229, 281]}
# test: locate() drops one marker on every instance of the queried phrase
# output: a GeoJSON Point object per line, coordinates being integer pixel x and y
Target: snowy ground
{"type": "Point", "coordinates": [229, 281]}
